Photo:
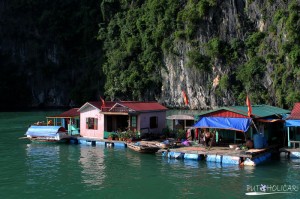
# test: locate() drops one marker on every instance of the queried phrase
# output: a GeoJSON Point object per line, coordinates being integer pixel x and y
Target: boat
{"type": "Point", "coordinates": [143, 148]}
{"type": "Point", "coordinates": [50, 134]}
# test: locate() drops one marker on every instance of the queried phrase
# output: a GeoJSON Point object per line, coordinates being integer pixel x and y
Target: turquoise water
{"type": "Point", "coordinates": [29, 170]}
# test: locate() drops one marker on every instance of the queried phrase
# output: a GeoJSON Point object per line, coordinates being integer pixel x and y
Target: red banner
{"type": "Point", "coordinates": [249, 106]}
{"type": "Point", "coordinates": [185, 99]}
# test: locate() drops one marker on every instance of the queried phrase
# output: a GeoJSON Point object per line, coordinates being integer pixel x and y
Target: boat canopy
{"type": "Point", "coordinates": [235, 124]}
{"type": "Point", "coordinates": [46, 131]}
{"type": "Point", "coordinates": [289, 123]}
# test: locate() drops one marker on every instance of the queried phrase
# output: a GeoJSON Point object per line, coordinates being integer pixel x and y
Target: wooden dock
{"type": "Point", "coordinates": [290, 152]}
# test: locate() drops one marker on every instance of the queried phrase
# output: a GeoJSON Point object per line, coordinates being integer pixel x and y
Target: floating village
{"type": "Point", "coordinates": [237, 135]}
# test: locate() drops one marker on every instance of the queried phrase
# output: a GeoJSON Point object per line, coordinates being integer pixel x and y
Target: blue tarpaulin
{"type": "Point", "coordinates": [47, 131]}
{"type": "Point", "coordinates": [236, 124]}
{"type": "Point", "coordinates": [289, 123]}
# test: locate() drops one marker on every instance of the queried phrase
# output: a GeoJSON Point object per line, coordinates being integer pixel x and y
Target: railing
{"type": "Point", "coordinates": [72, 130]}
{"type": "Point", "coordinates": [293, 142]}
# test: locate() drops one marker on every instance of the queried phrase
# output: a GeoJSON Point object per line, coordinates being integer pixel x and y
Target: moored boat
{"type": "Point", "coordinates": [47, 134]}
{"type": "Point", "coordinates": [143, 148]}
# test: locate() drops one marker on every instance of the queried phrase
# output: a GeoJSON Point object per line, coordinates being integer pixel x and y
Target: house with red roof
{"type": "Point", "coordinates": [293, 123]}
{"type": "Point", "coordinates": [98, 119]}
{"type": "Point", "coordinates": [228, 123]}
{"type": "Point", "coordinates": [68, 119]}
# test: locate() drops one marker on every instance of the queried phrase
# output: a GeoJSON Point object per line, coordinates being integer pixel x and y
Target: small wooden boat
{"type": "Point", "coordinates": [48, 134]}
{"type": "Point", "coordinates": [143, 148]}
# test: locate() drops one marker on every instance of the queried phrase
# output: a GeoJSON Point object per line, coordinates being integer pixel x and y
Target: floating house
{"type": "Point", "coordinates": [68, 119]}
{"type": "Point", "coordinates": [229, 122]}
{"type": "Point", "coordinates": [234, 125]}
{"type": "Point", "coordinates": [292, 124]}
{"type": "Point", "coordinates": [99, 119]}
{"type": "Point", "coordinates": [183, 121]}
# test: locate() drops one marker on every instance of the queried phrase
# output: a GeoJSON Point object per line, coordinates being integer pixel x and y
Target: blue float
{"type": "Point", "coordinates": [230, 160]}
{"type": "Point", "coordinates": [192, 156]}
{"type": "Point", "coordinates": [120, 144]}
{"type": "Point", "coordinates": [176, 155]}
{"type": "Point", "coordinates": [295, 154]}
{"type": "Point", "coordinates": [214, 158]}
{"type": "Point", "coordinates": [99, 143]}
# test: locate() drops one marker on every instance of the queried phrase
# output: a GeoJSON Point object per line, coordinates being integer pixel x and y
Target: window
{"type": "Point", "coordinates": [153, 122]}
{"type": "Point", "coordinates": [133, 121]}
{"type": "Point", "coordinates": [91, 123]}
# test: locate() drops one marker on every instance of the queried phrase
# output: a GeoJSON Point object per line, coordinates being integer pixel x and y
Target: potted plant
{"type": "Point", "coordinates": [121, 136]}
{"type": "Point", "coordinates": [181, 135]}
{"type": "Point", "coordinates": [110, 137]}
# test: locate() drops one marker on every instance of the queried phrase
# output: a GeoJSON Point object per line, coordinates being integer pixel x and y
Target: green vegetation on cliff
{"type": "Point", "coordinates": [140, 35]}
{"type": "Point", "coordinates": [119, 48]}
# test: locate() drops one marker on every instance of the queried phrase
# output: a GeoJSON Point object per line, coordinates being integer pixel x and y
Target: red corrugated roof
{"type": "Point", "coordinates": [226, 113]}
{"type": "Point", "coordinates": [134, 105]}
{"type": "Point", "coordinates": [295, 114]}
{"type": "Point", "coordinates": [144, 106]}
{"type": "Point", "coordinates": [73, 112]}
{"type": "Point", "coordinates": [98, 104]}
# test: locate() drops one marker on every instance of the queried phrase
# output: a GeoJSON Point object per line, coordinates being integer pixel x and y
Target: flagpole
{"type": "Point", "coordinates": [254, 126]}
{"type": "Point", "coordinates": [250, 111]}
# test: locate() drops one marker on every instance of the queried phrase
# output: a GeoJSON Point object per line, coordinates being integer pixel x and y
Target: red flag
{"type": "Point", "coordinates": [249, 106]}
{"type": "Point", "coordinates": [185, 99]}
{"type": "Point", "coordinates": [103, 102]}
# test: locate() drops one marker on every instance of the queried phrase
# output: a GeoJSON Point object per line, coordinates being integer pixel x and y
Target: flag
{"type": "Point", "coordinates": [185, 99]}
{"type": "Point", "coordinates": [249, 106]}
{"type": "Point", "coordinates": [103, 102]}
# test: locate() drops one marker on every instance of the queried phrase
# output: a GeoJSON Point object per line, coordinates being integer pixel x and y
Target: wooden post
{"type": "Point", "coordinates": [173, 125]}
{"type": "Point", "coordinates": [288, 134]}
{"type": "Point", "coordinates": [234, 137]}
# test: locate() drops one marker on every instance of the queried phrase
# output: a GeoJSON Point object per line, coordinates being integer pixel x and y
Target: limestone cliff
{"type": "Point", "coordinates": [228, 21]}
{"type": "Point", "coordinates": [59, 53]}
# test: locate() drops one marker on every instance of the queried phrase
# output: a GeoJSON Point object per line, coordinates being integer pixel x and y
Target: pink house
{"type": "Point", "coordinates": [97, 119]}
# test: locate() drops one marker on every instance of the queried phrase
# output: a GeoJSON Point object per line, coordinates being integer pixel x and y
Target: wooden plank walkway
{"type": "Point", "coordinates": [222, 151]}
{"type": "Point", "coordinates": [289, 150]}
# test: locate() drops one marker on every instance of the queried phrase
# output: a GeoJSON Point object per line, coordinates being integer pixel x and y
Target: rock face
{"type": "Point", "coordinates": [178, 78]}
{"type": "Point", "coordinates": [48, 53]}
{"type": "Point", "coordinates": [51, 61]}
{"type": "Point", "coordinates": [229, 20]}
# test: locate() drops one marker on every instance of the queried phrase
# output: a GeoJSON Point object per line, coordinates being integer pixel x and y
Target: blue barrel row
{"type": "Point", "coordinates": [102, 143]}
{"type": "Point", "coordinates": [224, 159]}
{"type": "Point", "coordinates": [180, 155]}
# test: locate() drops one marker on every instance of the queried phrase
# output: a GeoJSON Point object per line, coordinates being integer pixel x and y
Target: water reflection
{"type": "Point", "coordinates": [295, 162]}
{"type": "Point", "coordinates": [135, 158]}
{"type": "Point", "coordinates": [191, 163]}
{"type": "Point", "coordinates": [93, 167]}
{"type": "Point", "coordinates": [43, 162]}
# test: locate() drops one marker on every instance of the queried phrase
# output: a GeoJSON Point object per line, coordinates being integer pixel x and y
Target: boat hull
{"type": "Point", "coordinates": [142, 148]}
{"type": "Point", "coordinates": [49, 134]}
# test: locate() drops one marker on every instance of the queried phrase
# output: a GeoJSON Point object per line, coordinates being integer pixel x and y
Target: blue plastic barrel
{"type": "Point", "coordinates": [230, 160]}
{"type": "Point", "coordinates": [191, 156]}
{"type": "Point", "coordinates": [258, 140]}
{"type": "Point", "coordinates": [214, 158]}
